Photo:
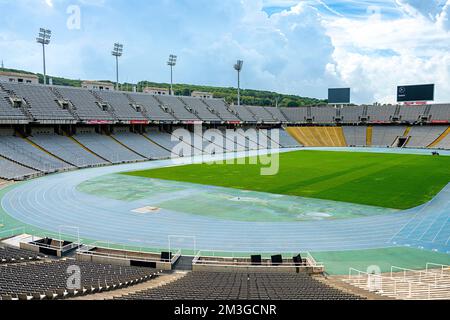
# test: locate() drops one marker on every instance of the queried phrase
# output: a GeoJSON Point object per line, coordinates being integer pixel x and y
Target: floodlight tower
{"type": "Point", "coordinates": [172, 63]}
{"type": "Point", "coordinates": [238, 67]}
{"type": "Point", "coordinates": [44, 39]}
{"type": "Point", "coordinates": [117, 52]}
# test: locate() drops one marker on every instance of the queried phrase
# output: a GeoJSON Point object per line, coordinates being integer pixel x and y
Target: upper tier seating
{"type": "Point", "coordinates": [85, 104]}
{"type": "Point", "coordinates": [222, 109]}
{"type": "Point", "coordinates": [23, 152]}
{"type": "Point", "coordinates": [380, 113]}
{"type": "Point", "coordinates": [200, 109]}
{"type": "Point", "coordinates": [323, 114]}
{"type": "Point", "coordinates": [48, 104]}
{"type": "Point", "coordinates": [295, 115]}
{"type": "Point", "coordinates": [355, 136]}
{"type": "Point", "coordinates": [261, 114]}
{"type": "Point", "coordinates": [243, 286]}
{"type": "Point", "coordinates": [179, 109]}
{"type": "Point", "coordinates": [276, 114]}
{"type": "Point", "coordinates": [422, 137]}
{"type": "Point", "coordinates": [352, 114]}
{"type": "Point", "coordinates": [12, 171]}
{"type": "Point", "coordinates": [152, 107]}
{"type": "Point", "coordinates": [142, 145]}
{"type": "Point", "coordinates": [41, 102]}
{"type": "Point", "coordinates": [244, 114]}
{"type": "Point", "coordinates": [411, 114]}
{"type": "Point", "coordinates": [49, 279]}
{"type": "Point", "coordinates": [7, 112]}
{"type": "Point", "coordinates": [67, 149]}
{"type": "Point", "coordinates": [385, 136]}
{"type": "Point", "coordinates": [440, 112]}
{"type": "Point", "coordinates": [123, 109]}
{"type": "Point", "coordinates": [107, 148]}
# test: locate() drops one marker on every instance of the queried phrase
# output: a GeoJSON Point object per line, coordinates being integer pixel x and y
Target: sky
{"type": "Point", "coordinates": [300, 47]}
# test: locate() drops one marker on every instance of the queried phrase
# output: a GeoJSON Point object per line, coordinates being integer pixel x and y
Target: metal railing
{"type": "Point", "coordinates": [397, 287]}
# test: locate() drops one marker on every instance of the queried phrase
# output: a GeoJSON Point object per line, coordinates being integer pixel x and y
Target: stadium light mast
{"type": "Point", "coordinates": [44, 39]}
{"type": "Point", "coordinates": [238, 67]}
{"type": "Point", "coordinates": [117, 52]}
{"type": "Point", "coordinates": [172, 63]}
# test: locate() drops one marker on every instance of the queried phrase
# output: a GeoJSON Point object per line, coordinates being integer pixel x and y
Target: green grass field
{"type": "Point", "coordinates": [395, 181]}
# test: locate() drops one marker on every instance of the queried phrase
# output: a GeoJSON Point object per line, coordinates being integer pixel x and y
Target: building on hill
{"type": "Point", "coordinates": [157, 91]}
{"type": "Point", "coordinates": [97, 85]}
{"type": "Point", "coordinates": [16, 77]}
{"type": "Point", "coordinates": [202, 95]}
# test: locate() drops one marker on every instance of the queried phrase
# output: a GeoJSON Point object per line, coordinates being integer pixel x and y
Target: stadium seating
{"type": "Point", "coordinates": [385, 136]}
{"type": "Point", "coordinates": [57, 104]}
{"type": "Point", "coordinates": [152, 107]}
{"type": "Point", "coordinates": [444, 140]}
{"type": "Point", "coordinates": [67, 149]}
{"type": "Point", "coordinates": [244, 114]}
{"type": "Point", "coordinates": [180, 110]}
{"type": "Point", "coordinates": [107, 148]}
{"type": "Point", "coordinates": [12, 255]}
{"type": "Point", "coordinates": [323, 114]}
{"type": "Point", "coordinates": [9, 114]}
{"type": "Point", "coordinates": [355, 136]}
{"type": "Point", "coordinates": [221, 109]}
{"type": "Point", "coordinates": [48, 279]}
{"type": "Point", "coordinates": [12, 171]}
{"type": "Point", "coordinates": [21, 151]}
{"type": "Point", "coordinates": [85, 105]}
{"type": "Point", "coordinates": [200, 109]}
{"type": "Point", "coordinates": [261, 114]}
{"type": "Point", "coordinates": [121, 106]}
{"type": "Point", "coordinates": [141, 145]}
{"type": "Point", "coordinates": [287, 141]}
{"type": "Point", "coordinates": [440, 112]}
{"type": "Point", "coordinates": [352, 114]}
{"type": "Point", "coordinates": [277, 114]}
{"type": "Point", "coordinates": [319, 136]}
{"type": "Point", "coordinates": [411, 114]}
{"type": "Point", "coordinates": [295, 115]}
{"type": "Point", "coordinates": [381, 114]}
{"type": "Point", "coordinates": [422, 137]}
{"type": "Point", "coordinates": [243, 286]}
{"type": "Point", "coordinates": [162, 139]}
{"type": "Point", "coordinates": [41, 102]}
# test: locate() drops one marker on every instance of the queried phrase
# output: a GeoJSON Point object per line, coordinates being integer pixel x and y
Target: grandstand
{"type": "Point", "coordinates": [52, 129]}
{"type": "Point", "coordinates": [243, 286]}
{"type": "Point", "coordinates": [44, 150]}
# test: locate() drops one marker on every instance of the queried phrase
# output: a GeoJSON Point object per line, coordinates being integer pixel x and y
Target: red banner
{"type": "Point", "coordinates": [139, 122]}
{"type": "Point", "coordinates": [439, 121]}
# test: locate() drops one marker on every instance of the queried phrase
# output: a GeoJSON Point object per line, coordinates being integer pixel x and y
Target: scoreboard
{"type": "Point", "coordinates": [339, 96]}
{"type": "Point", "coordinates": [423, 92]}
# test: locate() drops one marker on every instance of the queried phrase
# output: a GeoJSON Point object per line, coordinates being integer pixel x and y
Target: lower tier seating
{"type": "Point", "coordinates": [243, 286]}
{"type": "Point", "coordinates": [319, 136]}
{"type": "Point", "coordinates": [12, 255]}
{"type": "Point", "coordinates": [49, 279]}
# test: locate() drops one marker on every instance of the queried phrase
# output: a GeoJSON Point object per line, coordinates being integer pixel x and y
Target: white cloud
{"type": "Point", "coordinates": [375, 55]}
{"type": "Point", "coordinates": [301, 50]}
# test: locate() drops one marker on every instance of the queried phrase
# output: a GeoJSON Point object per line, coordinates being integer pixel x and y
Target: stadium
{"type": "Point", "coordinates": [113, 194]}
